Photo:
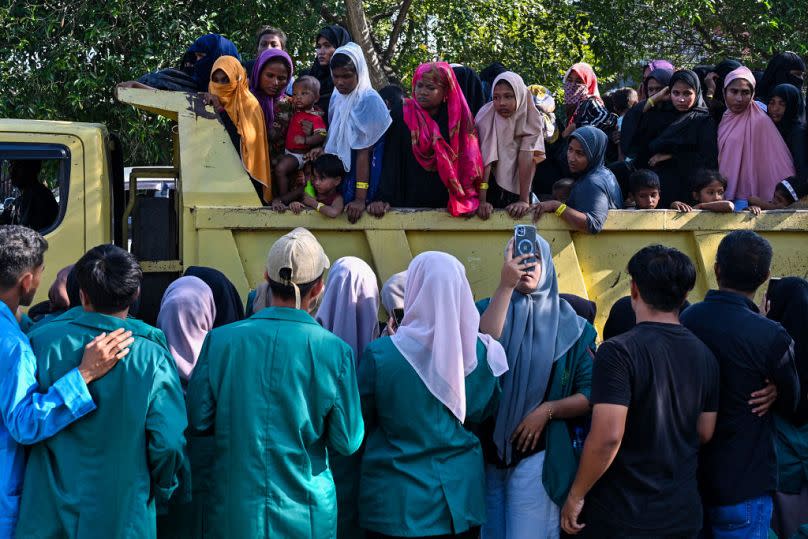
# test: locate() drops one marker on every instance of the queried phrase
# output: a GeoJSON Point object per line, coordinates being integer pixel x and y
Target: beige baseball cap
{"type": "Point", "coordinates": [296, 258]}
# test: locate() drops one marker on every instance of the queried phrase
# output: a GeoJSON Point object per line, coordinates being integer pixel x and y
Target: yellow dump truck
{"type": "Point", "coordinates": [211, 216]}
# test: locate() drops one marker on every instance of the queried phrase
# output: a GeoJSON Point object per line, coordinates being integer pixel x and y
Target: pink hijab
{"type": "Point", "coordinates": [751, 153]}
{"type": "Point", "coordinates": [186, 316]}
{"type": "Point", "coordinates": [501, 139]}
{"type": "Point", "coordinates": [438, 335]}
{"type": "Point", "coordinates": [350, 304]}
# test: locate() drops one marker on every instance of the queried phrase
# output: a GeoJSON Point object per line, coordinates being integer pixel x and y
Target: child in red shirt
{"type": "Point", "coordinates": [306, 131]}
{"type": "Point", "coordinates": [328, 175]}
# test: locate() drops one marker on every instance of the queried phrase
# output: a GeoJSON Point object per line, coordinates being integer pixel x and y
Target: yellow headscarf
{"type": "Point", "coordinates": [246, 114]}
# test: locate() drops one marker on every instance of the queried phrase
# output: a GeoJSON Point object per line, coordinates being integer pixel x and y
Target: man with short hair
{"type": "Point", "coordinates": [28, 413]}
{"type": "Point", "coordinates": [101, 476]}
{"type": "Point", "coordinates": [279, 393]}
{"type": "Point", "coordinates": [739, 466]}
{"type": "Point", "coordinates": [268, 37]}
{"type": "Point", "coordinates": [36, 207]}
{"type": "Point", "coordinates": [655, 397]}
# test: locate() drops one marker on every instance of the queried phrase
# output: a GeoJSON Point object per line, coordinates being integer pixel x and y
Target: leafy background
{"type": "Point", "coordinates": [61, 59]}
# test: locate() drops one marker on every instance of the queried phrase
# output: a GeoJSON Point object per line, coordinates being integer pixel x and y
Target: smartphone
{"type": "Point", "coordinates": [524, 242]}
{"type": "Point", "coordinates": [773, 283]}
{"type": "Point", "coordinates": [398, 316]}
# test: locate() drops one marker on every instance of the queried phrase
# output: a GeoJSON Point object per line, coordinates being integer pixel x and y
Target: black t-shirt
{"type": "Point", "coordinates": [666, 377]}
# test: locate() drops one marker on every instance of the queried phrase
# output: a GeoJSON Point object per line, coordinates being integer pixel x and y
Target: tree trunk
{"type": "Point", "coordinates": [360, 30]}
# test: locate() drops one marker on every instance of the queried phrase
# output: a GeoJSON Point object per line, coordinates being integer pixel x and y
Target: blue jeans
{"type": "Point", "coordinates": [746, 520]}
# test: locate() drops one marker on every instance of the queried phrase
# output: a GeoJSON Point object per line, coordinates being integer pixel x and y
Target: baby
{"type": "Point", "coordinates": [708, 194]}
{"type": "Point", "coordinates": [562, 189]}
{"type": "Point", "coordinates": [328, 175]}
{"type": "Point", "coordinates": [306, 131]}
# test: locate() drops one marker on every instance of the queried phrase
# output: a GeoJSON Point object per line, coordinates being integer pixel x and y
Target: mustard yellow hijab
{"type": "Point", "coordinates": [245, 112]}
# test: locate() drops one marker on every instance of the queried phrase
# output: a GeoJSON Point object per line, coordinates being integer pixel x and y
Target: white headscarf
{"type": "Point", "coordinates": [187, 312]}
{"type": "Point", "coordinates": [350, 305]}
{"type": "Point", "coordinates": [393, 292]}
{"type": "Point", "coordinates": [438, 335]}
{"type": "Point", "coordinates": [359, 119]}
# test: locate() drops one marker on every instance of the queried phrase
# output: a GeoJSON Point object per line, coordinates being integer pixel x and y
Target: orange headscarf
{"type": "Point", "coordinates": [247, 116]}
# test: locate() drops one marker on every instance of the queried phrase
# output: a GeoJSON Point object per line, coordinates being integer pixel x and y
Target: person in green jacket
{"type": "Point", "coordinates": [278, 392]}
{"type": "Point", "coordinates": [422, 471]}
{"type": "Point", "coordinates": [528, 446]}
{"type": "Point", "coordinates": [101, 476]}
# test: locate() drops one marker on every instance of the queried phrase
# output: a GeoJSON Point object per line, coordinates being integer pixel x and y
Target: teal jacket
{"type": "Point", "coordinates": [278, 392]}
{"type": "Point", "coordinates": [571, 374]}
{"type": "Point", "coordinates": [101, 476]}
{"type": "Point", "coordinates": [422, 471]}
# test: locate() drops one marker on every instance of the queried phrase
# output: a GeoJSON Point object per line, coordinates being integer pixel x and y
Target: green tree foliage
{"type": "Point", "coordinates": [60, 59]}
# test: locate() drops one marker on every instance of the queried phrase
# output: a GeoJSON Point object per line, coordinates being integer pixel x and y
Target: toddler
{"type": "Point", "coordinates": [708, 194]}
{"type": "Point", "coordinates": [306, 131]}
{"type": "Point", "coordinates": [328, 175]}
{"type": "Point", "coordinates": [786, 193]}
{"type": "Point", "coordinates": [562, 189]}
{"type": "Point", "coordinates": [645, 189]}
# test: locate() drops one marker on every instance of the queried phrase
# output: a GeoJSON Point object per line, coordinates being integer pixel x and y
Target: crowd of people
{"type": "Point", "coordinates": [715, 138]}
{"type": "Point", "coordinates": [302, 415]}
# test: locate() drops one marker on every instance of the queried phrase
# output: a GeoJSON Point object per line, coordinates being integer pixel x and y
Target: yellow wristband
{"type": "Point", "coordinates": [362, 185]}
{"type": "Point", "coordinates": [561, 209]}
{"type": "Point", "coordinates": [484, 186]}
{"type": "Point", "coordinates": [320, 206]}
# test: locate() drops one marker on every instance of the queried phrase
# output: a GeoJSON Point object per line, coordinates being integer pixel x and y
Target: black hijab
{"type": "Point", "coordinates": [722, 69]}
{"type": "Point", "coordinates": [681, 128]}
{"type": "Point", "coordinates": [487, 76]}
{"type": "Point", "coordinates": [229, 307]}
{"type": "Point", "coordinates": [779, 72]}
{"type": "Point", "coordinates": [471, 86]}
{"type": "Point", "coordinates": [586, 309]}
{"type": "Point", "coordinates": [789, 306]}
{"type": "Point", "coordinates": [795, 108]}
{"type": "Point", "coordinates": [337, 36]}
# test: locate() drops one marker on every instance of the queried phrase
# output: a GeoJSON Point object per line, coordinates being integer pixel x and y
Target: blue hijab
{"type": "Point", "coordinates": [597, 190]}
{"type": "Point", "coordinates": [540, 328]}
{"type": "Point", "coordinates": [214, 46]}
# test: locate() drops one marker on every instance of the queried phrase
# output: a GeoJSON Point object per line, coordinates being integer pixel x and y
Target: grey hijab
{"type": "Point", "coordinates": [539, 329]}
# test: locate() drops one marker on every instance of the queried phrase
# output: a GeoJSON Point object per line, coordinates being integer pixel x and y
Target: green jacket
{"type": "Point", "coordinates": [422, 471]}
{"type": "Point", "coordinates": [277, 390]}
{"type": "Point", "coordinates": [100, 477]}
{"type": "Point", "coordinates": [572, 374]}
{"type": "Point", "coordinates": [792, 455]}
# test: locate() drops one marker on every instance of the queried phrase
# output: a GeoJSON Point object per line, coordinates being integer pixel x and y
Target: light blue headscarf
{"type": "Point", "coordinates": [539, 329]}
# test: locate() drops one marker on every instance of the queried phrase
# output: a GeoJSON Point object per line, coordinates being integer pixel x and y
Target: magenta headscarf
{"type": "Point", "coordinates": [186, 316]}
{"type": "Point", "coordinates": [268, 103]}
{"type": "Point", "coordinates": [751, 153]}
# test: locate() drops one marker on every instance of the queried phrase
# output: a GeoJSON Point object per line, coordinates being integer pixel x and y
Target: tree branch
{"type": "Point", "coordinates": [396, 32]}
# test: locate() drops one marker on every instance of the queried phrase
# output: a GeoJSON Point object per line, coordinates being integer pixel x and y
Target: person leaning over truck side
{"type": "Point", "coordinates": [595, 191]}
{"type": "Point", "coordinates": [357, 121]}
{"type": "Point", "coordinates": [27, 414]}
{"type": "Point", "coordinates": [431, 152]}
{"type": "Point", "coordinates": [511, 132]}
{"type": "Point", "coordinates": [244, 120]}
{"type": "Point", "coordinates": [278, 392]}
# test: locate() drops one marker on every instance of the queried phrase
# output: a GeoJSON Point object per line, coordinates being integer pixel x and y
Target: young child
{"type": "Point", "coordinates": [306, 131]}
{"type": "Point", "coordinates": [645, 189]}
{"type": "Point", "coordinates": [562, 189]}
{"type": "Point", "coordinates": [708, 193]}
{"type": "Point", "coordinates": [786, 193]}
{"type": "Point", "coordinates": [328, 175]}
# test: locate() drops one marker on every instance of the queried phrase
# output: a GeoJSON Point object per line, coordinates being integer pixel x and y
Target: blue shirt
{"type": "Point", "coordinates": [26, 416]}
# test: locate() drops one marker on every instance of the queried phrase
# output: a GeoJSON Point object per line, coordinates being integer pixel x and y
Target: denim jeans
{"type": "Point", "coordinates": [517, 506]}
{"type": "Point", "coordinates": [746, 520]}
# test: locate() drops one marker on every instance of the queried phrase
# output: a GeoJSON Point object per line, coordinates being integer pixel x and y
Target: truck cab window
{"type": "Point", "coordinates": [33, 185]}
